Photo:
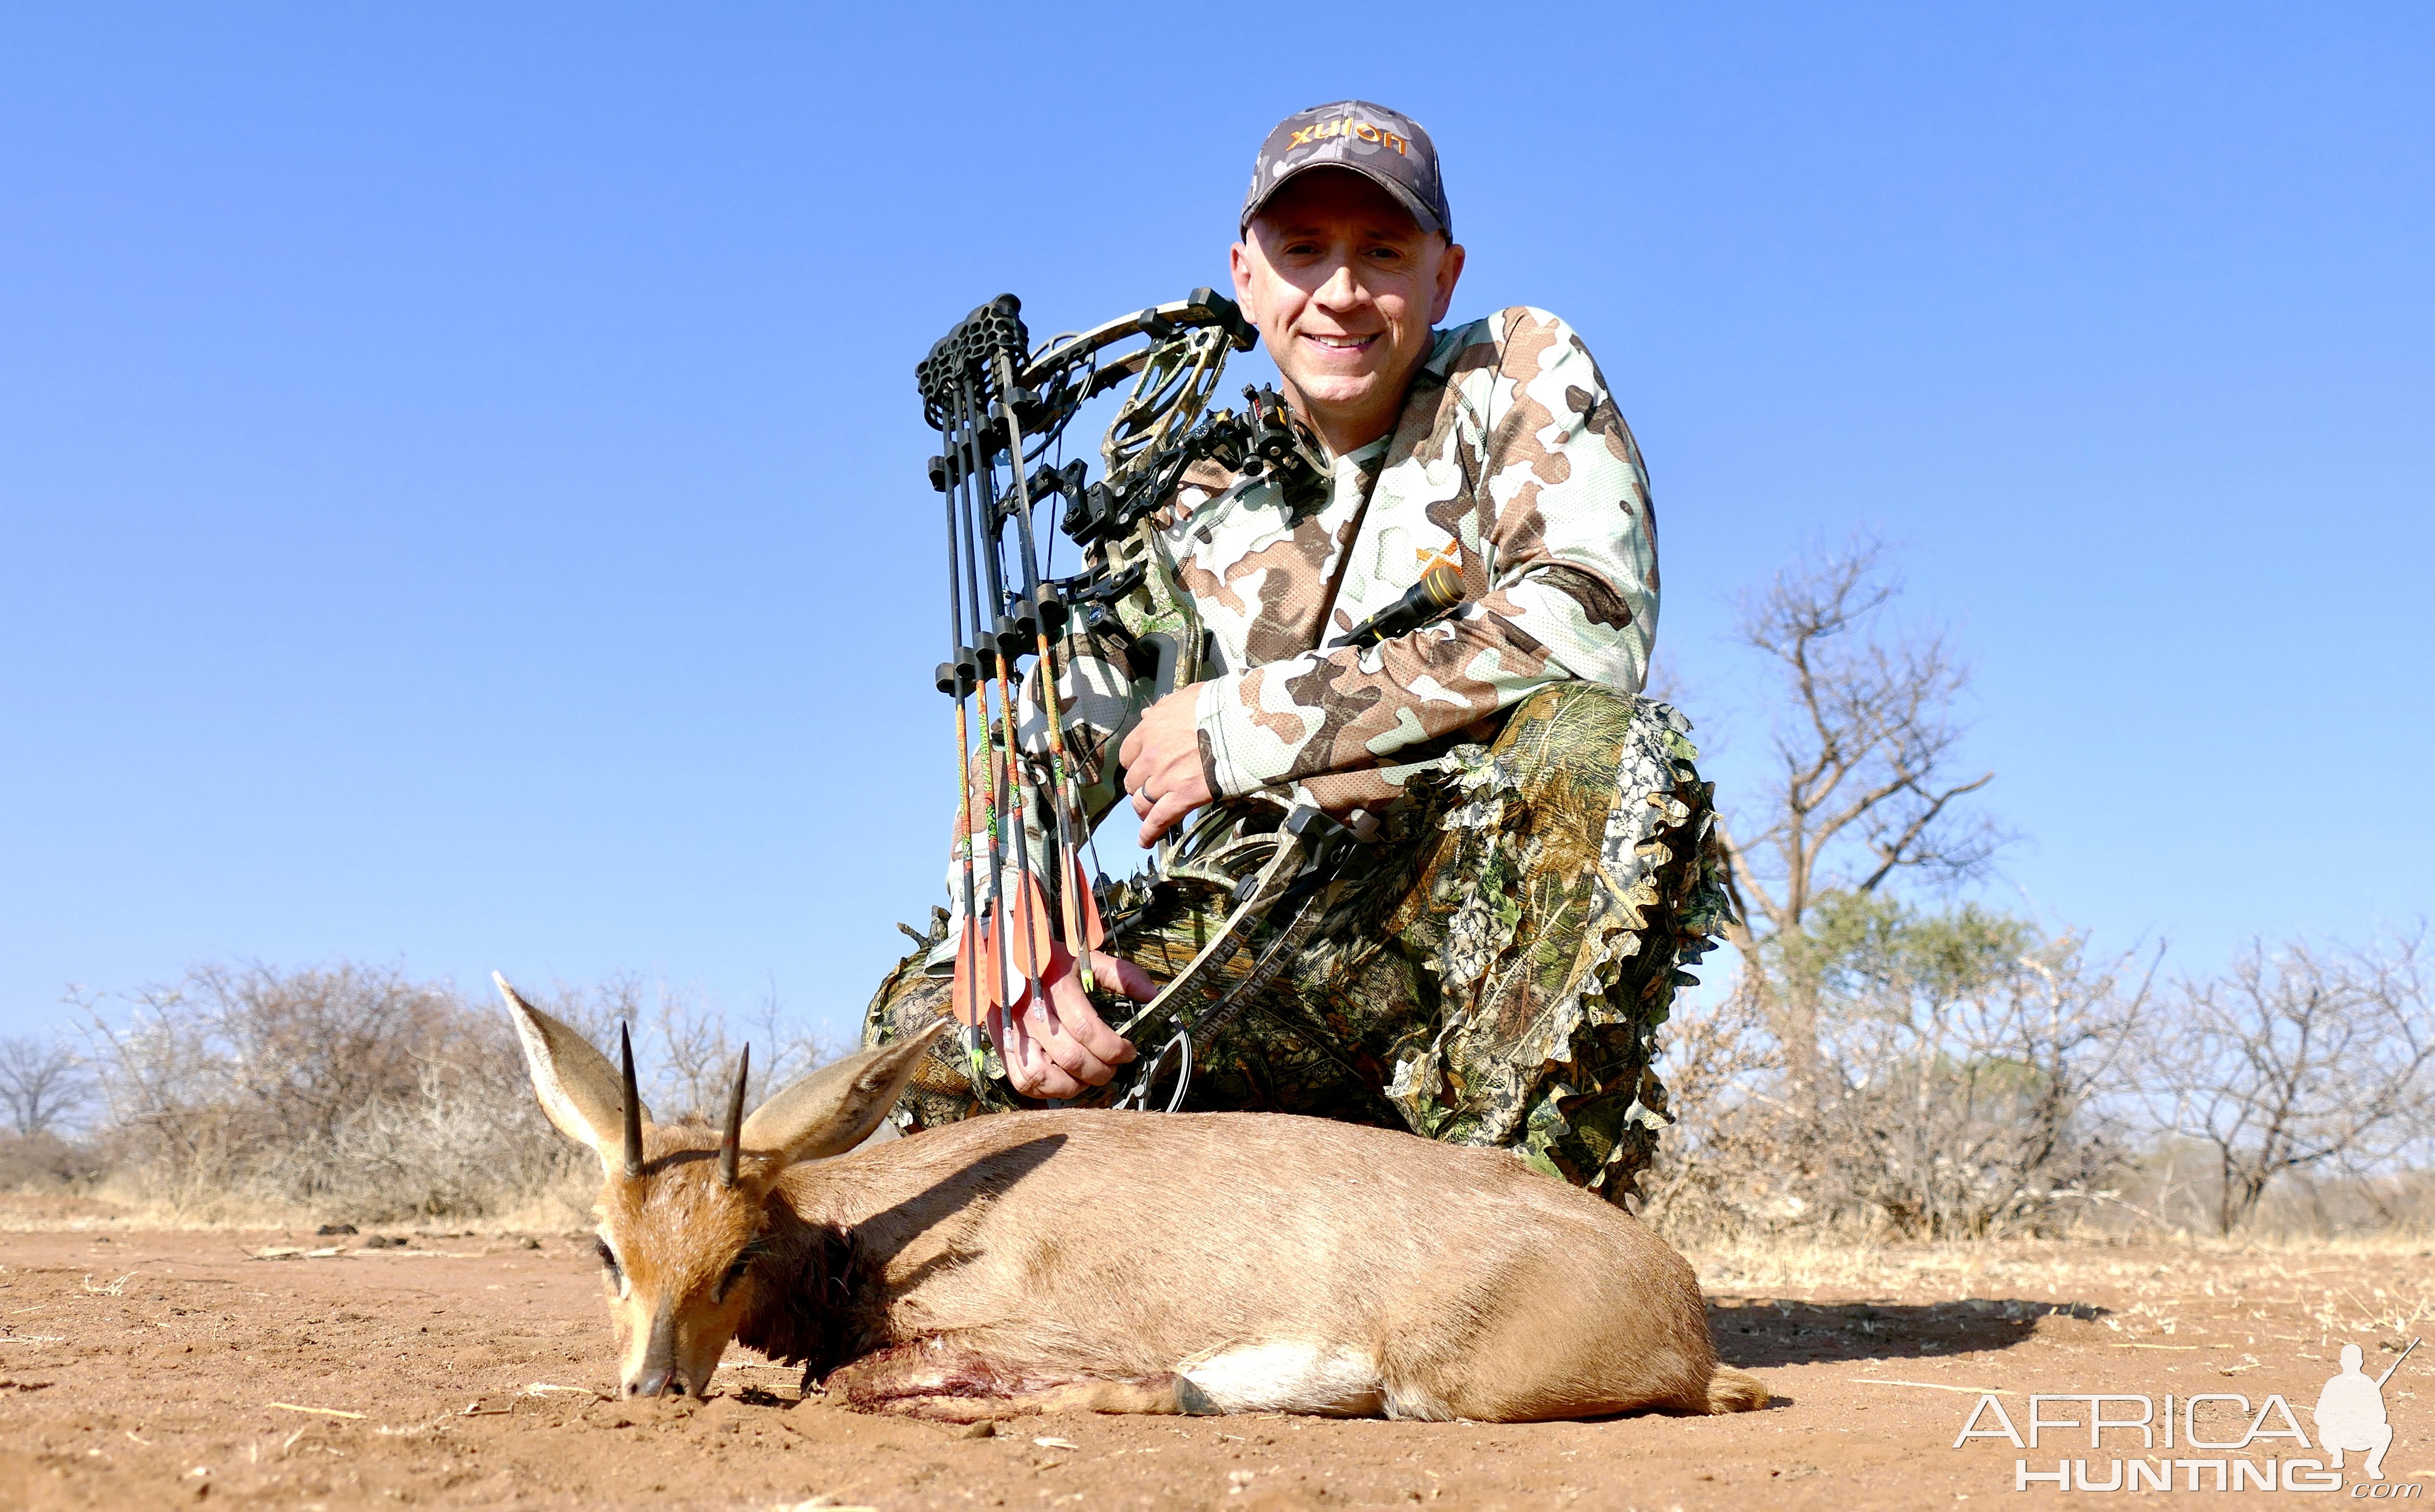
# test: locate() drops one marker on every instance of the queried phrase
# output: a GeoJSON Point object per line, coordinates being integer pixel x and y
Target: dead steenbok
{"type": "Point", "coordinates": [1119, 1262]}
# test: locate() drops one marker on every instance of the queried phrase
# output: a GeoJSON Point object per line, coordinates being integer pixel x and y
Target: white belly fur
{"type": "Point", "coordinates": [1288, 1377]}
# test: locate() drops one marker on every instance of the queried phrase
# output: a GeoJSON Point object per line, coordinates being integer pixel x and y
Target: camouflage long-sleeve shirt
{"type": "Point", "coordinates": [1509, 461]}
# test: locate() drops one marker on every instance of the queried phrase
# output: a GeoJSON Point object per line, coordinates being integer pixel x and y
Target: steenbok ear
{"type": "Point", "coordinates": [836, 1106]}
{"type": "Point", "coordinates": [584, 1094]}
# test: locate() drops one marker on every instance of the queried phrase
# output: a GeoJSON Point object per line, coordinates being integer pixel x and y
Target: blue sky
{"type": "Point", "coordinates": [462, 484]}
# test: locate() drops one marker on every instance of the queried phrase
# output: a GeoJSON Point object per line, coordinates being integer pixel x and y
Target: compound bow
{"type": "Point", "coordinates": [1001, 408]}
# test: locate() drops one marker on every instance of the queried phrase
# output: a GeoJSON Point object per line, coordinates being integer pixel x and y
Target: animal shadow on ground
{"type": "Point", "coordinates": [1756, 1334]}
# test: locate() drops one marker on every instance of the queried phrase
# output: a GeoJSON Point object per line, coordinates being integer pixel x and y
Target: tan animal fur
{"type": "Point", "coordinates": [1124, 1261]}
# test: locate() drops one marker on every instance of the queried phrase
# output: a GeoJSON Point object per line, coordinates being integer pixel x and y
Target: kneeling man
{"type": "Point", "coordinates": [1489, 965]}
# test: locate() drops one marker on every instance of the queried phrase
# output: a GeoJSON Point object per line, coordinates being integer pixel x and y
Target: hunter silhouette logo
{"type": "Point", "coordinates": [2350, 1412]}
{"type": "Point", "coordinates": [2349, 1418]}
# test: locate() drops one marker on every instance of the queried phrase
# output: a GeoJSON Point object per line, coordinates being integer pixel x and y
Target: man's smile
{"type": "Point", "coordinates": [1343, 344]}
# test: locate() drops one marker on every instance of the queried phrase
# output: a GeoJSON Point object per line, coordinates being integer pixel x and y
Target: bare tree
{"type": "Point", "coordinates": [42, 1081]}
{"type": "Point", "coordinates": [255, 1085]}
{"type": "Point", "coordinates": [1863, 786]}
{"type": "Point", "coordinates": [1967, 1066]}
{"type": "Point", "coordinates": [1923, 1072]}
{"type": "Point", "coordinates": [307, 1048]}
{"type": "Point", "coordinates": [358, 1092]}
{"type": "Point", "coordinates": [2308, 1058]}
{"type": "Point", "coordinates": [1969, 1058]}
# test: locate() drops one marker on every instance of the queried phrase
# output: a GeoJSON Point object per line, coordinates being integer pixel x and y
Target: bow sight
{"type": "Point", "coordinates": [1001, 408]}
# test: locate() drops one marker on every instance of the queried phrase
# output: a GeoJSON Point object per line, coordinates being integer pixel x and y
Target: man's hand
{"type": "Point", "coordinates": [1057, 1050]}
{"type": "Point", "coordinates": [1162, 763]}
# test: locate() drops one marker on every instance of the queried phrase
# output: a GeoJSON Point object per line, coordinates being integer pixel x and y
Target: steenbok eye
{"type": "Point", "coordinates": [608, 1258]}
{"type": "Point", "coordinates": [735, 1273]}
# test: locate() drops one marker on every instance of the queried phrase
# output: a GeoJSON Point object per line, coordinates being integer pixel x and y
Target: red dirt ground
{"type": "Point", "coordinates": [164, 1369]}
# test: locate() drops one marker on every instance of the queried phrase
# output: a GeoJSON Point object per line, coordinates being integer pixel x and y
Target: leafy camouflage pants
{"type": "Point", "coordinates": [1491, 968]}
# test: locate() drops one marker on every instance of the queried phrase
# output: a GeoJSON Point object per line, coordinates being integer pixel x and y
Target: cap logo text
{"type": "Point", "coordinates": [1363, 130]}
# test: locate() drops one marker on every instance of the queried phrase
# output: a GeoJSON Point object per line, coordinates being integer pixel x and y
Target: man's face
{"type": "Point", "coordinates": [1344, 286]}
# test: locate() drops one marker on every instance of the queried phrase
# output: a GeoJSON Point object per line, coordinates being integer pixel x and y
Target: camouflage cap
{"type": "Point", "coordinates": [1385, 146]}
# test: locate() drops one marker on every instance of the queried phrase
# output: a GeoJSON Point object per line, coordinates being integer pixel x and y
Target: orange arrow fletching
{"type": "Point", "coordinates": [1031, 943]}
{"type": "Point", "coordinates": [966, 999]}
{"type": "Point", "coordinates": [1094, 932]}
